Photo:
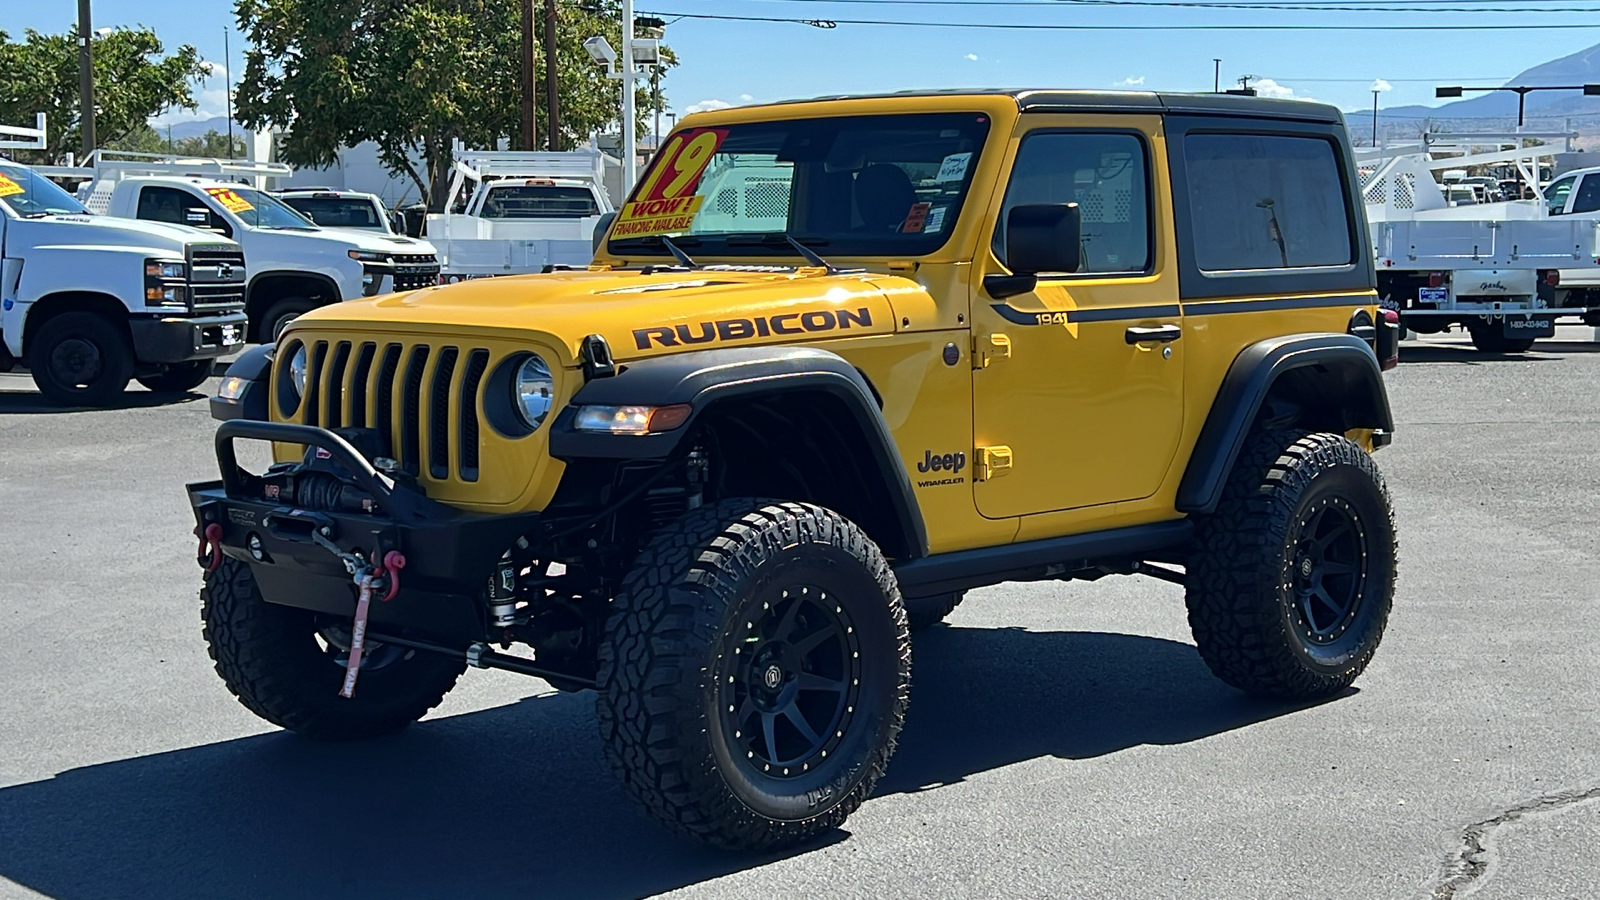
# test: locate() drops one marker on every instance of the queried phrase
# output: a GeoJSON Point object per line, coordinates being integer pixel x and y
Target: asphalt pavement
{"type": "Point", "coordinates": [1064, 740]}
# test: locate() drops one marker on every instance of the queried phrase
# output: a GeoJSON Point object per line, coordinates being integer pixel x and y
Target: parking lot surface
{"type": "Point", "coordinates": [1064, 739]}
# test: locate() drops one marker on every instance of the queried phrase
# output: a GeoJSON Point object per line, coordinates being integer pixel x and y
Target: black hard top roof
{"type": "Point", "coordinates": [1060, 100]}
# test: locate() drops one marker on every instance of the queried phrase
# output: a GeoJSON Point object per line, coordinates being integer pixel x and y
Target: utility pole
{"type": "Point", "coordinates": [1216, 76]}
{"type": "Point", "coordinates": [227, 77]}
{"type": "Point", "coordinates": [1374, 118]}
{"type": "Point", "coordinates": [529, 141]}
{"type": "Point", "coordinates": [552, 99]}
{"type": "Point", "coordinates": [85, 78]}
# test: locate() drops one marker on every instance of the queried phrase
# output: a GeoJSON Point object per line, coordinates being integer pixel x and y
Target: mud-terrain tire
{"type": "Point", "coordinates": [177, 378]}
{"type": "Point", "coordinates": [923, 613]}
{"type": "Point", "coordinates": [740, 629]}
{"type": "Point", "coordinates": [80, 359]}
{"type": "Point", "coordinates": [1292, 578]}
{"type": "Point", "coordinates": [270, 658]}
{"type": "Point", "coordinates": [1491, 339]}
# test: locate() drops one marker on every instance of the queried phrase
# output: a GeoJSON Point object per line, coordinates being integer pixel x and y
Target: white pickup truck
{"type": "Point", "coordinates": [88, 302]}
{"type": "Point", "coordinates": [295, 265]}
{"type": "Point", "coordinates": [1575, 195]}
{"type": "Point", "coordinates": [511, 213]}
{"type": "Point", "coordinates": [1503, 271]}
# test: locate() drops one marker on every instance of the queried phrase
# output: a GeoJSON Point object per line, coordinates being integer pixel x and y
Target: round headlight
{"type": "Point", "coordinates": [297, 371]}
{"type": "Point", "coordinates": [535, 391]}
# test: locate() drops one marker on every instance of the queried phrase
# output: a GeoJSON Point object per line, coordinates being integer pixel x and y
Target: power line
{"type": "Point", "coordinates": [1026, 26]}
{"type": "Point", "coordinates": [1324, 6]}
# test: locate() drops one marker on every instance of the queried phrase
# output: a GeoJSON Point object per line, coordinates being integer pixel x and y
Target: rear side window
{"type": "Point", "coordinates": [1266, 202]}
{"type": "Point", "coordinates": [1105, 174]}
{"type": "Point", "coordinates": [1588, 199]}
{"type": "Point", "coordinates": [539, 202]}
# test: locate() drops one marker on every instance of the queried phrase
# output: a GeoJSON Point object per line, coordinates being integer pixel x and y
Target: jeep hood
{"type": "Point", "coordinates": [638, 313]}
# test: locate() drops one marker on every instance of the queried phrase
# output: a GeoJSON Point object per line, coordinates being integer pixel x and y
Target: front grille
{"type": "Point", "coordinates": [422, 401]}
{"type": "Point", "coordinates": [216, 278]}
{"type": "Point", "coordinates": [415, 270]}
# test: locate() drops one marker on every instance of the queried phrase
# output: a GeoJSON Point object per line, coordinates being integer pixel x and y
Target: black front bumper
{"type": "Point", "coordinates": [165, 339]}
{"type": "Point", "coordinates": [267, 522]}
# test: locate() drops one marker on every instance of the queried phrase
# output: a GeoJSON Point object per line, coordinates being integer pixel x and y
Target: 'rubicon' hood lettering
{"type": "Point", "coordinates": [760, 326]}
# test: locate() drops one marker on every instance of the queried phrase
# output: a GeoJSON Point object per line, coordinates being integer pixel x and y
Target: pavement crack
{"type": "Point", "coordinates": [1468, 867]}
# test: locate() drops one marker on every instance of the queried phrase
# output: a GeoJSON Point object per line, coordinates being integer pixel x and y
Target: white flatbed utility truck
{"type": "Point", "coordinates": [1491, 268]}
{"type": "Point", "coordinates": [512, 213]}
{"type": "Point", "coordinates": [295, 265]}
{"type": "Point", "coordinates": [88, 302]}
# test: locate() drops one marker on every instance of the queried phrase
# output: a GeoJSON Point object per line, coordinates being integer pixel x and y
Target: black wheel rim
{"type": "Point", "coordinates": [75, 361]}
{"type": "Point", "coordinates": [1328, 570]}
{"type": "Point", "coordinates": [792, 690]}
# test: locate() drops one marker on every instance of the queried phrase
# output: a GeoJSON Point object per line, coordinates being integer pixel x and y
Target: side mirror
{"type": "Point", "coordinates": [1040, 237]}
{"type": "Point", "coordinates": [600, 229]}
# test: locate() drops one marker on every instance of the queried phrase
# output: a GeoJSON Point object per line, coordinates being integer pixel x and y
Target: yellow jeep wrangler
{"type": "Point", "coordinates": [836, 363]}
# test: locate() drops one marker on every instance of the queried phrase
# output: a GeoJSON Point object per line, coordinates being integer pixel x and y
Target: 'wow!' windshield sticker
{"type": "Point", "coordinates": [230, 201]}
{"type": "Point", "coordinates": [9, 187]}
{"type": "Point", "coordinates": [666, 201]}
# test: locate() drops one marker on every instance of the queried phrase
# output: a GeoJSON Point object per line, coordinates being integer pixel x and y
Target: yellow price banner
{"type": "Point", "coordinates": [9, 187]}
{"type": "Point", "coordinates": [665, 200]}
{"type": "Point", "coordinates": [230, 200]}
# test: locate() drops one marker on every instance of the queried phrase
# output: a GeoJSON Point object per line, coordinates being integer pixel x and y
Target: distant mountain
{"type": "Point", "coordinates": [198, 128]}
{"type": "Point", "coordinates": [1579, 68]}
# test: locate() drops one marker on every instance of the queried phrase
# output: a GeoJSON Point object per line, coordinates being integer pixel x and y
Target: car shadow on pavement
{"type": "Point", "coordinates": [517, 801]}
{"type": "Point", "coordinates": [25, 402]}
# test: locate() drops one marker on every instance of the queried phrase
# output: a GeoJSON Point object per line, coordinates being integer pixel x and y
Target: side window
{"type": "Point", "coordinates": [1261, 201]}
{"type": "Point", "coordinates": [1588, 197]}
{"type": "Point", "coordinates": [1556, 195]}
{"type": "Point", "coordinates": [177, 207]}
{"type": "Point", "coordinates": [1106, 175]}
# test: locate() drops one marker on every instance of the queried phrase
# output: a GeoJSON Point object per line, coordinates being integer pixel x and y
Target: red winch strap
{"type": "Point", "coordinates": [358, 636]}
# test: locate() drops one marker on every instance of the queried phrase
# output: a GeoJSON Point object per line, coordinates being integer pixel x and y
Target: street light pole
{"type": "Point", "coordinates": [552, 98]}
{"type": "Point", "coordinates": [85, 79]}
{"type": "Point", "coordinates": [529, 139]}
{"type": "Point", "coordinates": [630, 149]}
{"type": "Point", "coordinates": [1216, 76]}
{"type": "Point", "coordinates": [1522, 91]}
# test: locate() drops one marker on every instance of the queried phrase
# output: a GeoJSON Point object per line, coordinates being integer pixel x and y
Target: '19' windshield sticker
{"type": "Point", "coordinates": [230, 200]}
{"type": "Point", "coordinates": [666, 201]}
{"type": "Point", "coordinates": [9, 187]}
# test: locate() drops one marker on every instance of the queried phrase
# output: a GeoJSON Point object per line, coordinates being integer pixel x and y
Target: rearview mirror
{"type": "Point", "coordinates": [1040, 237]}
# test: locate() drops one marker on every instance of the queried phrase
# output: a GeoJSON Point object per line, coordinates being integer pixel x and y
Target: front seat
{"type": "Point", "coordinates": [883, 197]}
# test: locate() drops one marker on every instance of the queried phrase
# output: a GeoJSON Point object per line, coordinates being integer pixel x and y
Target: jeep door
{"type": "Point", "coordinates": [1078, 383]}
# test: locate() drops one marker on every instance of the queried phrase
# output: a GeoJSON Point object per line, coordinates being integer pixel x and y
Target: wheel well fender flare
{"type": "Point", "coordinates": [1334, 380]}
{"type": "Point", "coordinates": [51, 305]}
{"type": "Point", "coordinates": [706, 379]}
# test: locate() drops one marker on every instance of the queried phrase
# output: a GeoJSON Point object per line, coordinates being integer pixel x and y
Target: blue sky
{"type": "Point", "coordinates": [733, 62]}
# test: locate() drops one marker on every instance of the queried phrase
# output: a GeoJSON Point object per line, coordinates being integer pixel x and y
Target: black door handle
{"type": "Point", "coordinates": [1162, 334]}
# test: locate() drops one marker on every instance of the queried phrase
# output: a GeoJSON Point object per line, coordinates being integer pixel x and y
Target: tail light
{"type": "Point", "coordinates": [1435, 279]}
{"type": "Point", "coordinates": [1388, 339]}
{"type": "Point", "coordinates": [1551, 277]}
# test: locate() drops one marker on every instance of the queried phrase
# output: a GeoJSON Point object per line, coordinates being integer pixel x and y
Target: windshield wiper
{"type": "Point", "coordinates": [677, 254]}
{"type": "Point", "coordinates": [780, 238]}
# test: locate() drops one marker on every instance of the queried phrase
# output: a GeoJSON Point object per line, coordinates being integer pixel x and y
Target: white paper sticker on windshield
{"type": "Point", "coordinates": [935, 221]}
{"type": "Point", "coordinates": [954, 167]}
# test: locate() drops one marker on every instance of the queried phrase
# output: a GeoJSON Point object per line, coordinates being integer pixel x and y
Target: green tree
{"type": "Point", "coordinates": [133, 82]}
{"type": "Point", "coordinates": [413, 76]}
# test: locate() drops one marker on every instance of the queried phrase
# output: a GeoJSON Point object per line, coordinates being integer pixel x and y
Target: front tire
{"type": "Point", "coordinates": [276, 660]}
{"type": "Point", "coordinates": [755, 673]}
{"type": "Point", "coordinates": [80, 359]}
{"type": "Point", "coordinates": [177, 378]}
{"type": "Point", "coordinates": [1292, 577]}
{"type": "Point", "coordinates": [279, 315]}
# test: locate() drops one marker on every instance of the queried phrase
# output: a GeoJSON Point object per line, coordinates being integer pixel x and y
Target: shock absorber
{"type": "Point", "coordinates": [503, 593]}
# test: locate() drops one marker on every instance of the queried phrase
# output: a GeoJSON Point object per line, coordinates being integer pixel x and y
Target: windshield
{"type": "Point", "coordinates": [543, 201]}
{"type": "Point", "coordinates": [339, 212]}
{"type": "Point", "coordinates": [31, 194]}
{"type": "Point", "coordinates": [259, 209]}
{"type": "Point", "coordinates": [865, 185]}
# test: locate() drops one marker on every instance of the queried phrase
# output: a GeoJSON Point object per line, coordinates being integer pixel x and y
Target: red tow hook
{"type": "Point", "coordinates": [210, 555]}
{"type": "Point", "coordinates": [390, 567]}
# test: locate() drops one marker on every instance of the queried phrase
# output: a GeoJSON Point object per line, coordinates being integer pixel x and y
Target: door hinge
{"type": "Point", "coordinates": [992, 462]}
{"type": "Point", "coordinates": [990, 347]}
